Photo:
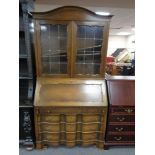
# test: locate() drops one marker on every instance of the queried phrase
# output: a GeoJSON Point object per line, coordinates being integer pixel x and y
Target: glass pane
{"type": "Point", "coordinates": [63, 68]}
{"type": "Point", "coordinates": [96, 68]}
{"type": "Point", "coordinates": [81, 32]}
{"type": "Point", "coordinates": [89, 45]}
{"type": "Point", "coordinates": [98, 32]}
{"type": "Point", "coordinates": [89, 32]}
{"type": "Point", "coordinates": [80, 68]}
{"type": "Point", "coordinates": [54, 48]}
{"type": "Point", "coordinates": [63, 32]}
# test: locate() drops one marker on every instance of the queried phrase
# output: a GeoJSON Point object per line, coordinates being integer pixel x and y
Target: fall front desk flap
{"type": "Point", "coordinates": [70, 92]}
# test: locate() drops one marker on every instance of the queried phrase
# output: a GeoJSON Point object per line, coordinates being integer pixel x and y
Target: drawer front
{"type": "Point", "coordinates": [90, 127]}
{"type": "Point", "coordinates": [70, 122]}
{"type": "Point", "coordinates": [121, 128]}
{"type": "Point", "coordinates": [120, 138]}
{"type": "Point", "coordinates": [124, 110]}
{"type": "Point", "coordinates": [84, 127]}
{"type": "Point", "coordinates": [50, 127]}
{"type": "Point", "coordinates": [51, 137]}
{"type": "Point", "coordinates": [85, 118]}
{"type": "Point", "coordinates": [50, 118]}
{"type": "Point", "coordinates": [89, 136]}
{"type": "Point", "coordinates": [69, 110]}
{"type": "Point", "coordinates": [122, 118]}
{"type": "Point", "coordinates": [91, 118]}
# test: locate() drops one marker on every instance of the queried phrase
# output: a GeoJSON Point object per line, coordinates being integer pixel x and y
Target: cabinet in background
{"type": "Point", "coordinates": [26, 77]}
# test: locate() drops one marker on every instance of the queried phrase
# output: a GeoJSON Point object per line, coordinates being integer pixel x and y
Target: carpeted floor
{"type": "Point", "coordinates": [80, 151]}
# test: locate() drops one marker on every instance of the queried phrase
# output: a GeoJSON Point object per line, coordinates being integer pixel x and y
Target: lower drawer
{"type": "Point", "coordinates": [50, 137]}
{"type": "Point", "coordinates": [122, 109]}
{"type": "Point", "coordinates": [121, 128]}
{"type": "Point", "coordinates": [122, 118]}
{"type": "Point", "coordinates": [120, 138]}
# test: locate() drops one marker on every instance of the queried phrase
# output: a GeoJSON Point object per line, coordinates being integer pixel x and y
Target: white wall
{"type": "Point", "coordinates": [131, 42]}
{"type": "Point", "coordinates": [120, 42]}
{"type": "Point", "coordinates": [116, 42]}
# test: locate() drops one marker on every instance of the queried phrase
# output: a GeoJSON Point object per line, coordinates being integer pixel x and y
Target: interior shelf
{"type": "Point", "coordinates": [25, 90]}
{"type": "Point", "coordinates": [23, 56]}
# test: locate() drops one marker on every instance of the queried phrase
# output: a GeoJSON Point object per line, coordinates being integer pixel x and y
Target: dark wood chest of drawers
{"type": "Point", "coordinates": [121, 113]}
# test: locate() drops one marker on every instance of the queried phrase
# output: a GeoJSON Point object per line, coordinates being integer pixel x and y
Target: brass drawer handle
{"type": "Point", "coordinates": [129, 110]}
{"type": "Point", "coordinates": [119, 129]}
{"type": "Point", "coordinates": [120, 119]}
{"type": "Point", "coordinates": [117, 138]}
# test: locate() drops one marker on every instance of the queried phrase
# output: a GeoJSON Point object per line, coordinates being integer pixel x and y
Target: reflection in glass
{"type": "Point", "coordinates": [54, 48]}
{"type": "Point", "coordinates": [89, 44]}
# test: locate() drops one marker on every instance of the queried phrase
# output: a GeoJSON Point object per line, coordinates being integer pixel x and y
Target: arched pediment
{"type": "Point", "coordinates": [70, 13]}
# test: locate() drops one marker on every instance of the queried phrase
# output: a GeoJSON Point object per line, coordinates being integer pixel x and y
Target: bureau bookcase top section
{"type": "Point", "coordinates": [70, 42]}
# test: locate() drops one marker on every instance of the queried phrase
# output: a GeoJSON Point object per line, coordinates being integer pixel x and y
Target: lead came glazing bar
{"type": "Point", "coordinates": [89, 45]}
{"type": "Point", "coordinates": [54, 48]}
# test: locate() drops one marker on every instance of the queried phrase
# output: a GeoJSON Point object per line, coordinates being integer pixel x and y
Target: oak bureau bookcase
{"type": "Point", "coordinates": [70, 97]}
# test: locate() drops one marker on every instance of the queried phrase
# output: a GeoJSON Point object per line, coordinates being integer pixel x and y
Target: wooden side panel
{"type": "Point", "coordinates": [121, 92]}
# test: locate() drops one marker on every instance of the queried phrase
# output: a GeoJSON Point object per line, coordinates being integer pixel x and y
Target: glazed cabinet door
{"type": "Point", "coordinates": [71, 49]}
{"type": "Point", "coordinates": [53, 50]}
{"type": "Point", "coordinates": [89, 49]}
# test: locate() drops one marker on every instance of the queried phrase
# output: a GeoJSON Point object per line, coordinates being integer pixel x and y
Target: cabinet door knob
{"type": "Point", "coordinates": [119, 129]}
{"type": "Point", "coordinates": [117, 138]}
{"type": "Point", "coordinates": [129, 110]}
{"type": "Point", "coordinates": [120, 119]}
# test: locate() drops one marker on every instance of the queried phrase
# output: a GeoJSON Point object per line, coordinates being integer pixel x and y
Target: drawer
{"type": "Point", "coordinates": [71, 136]}
{"type": "Point", "coordinates": [124, 110]}
{"type": "Point", "coordinates": [90, 127]}
{"type": "Point", "coordinates": [121, 128]}
{"type": "Point", "coordinates": [85, 118]}
{"type": "Point", "coordinates": [70, 118]}
{"type": "Point", "coordinates": [89, 136]}
{"type": "Point", "coordinates": [91, 118]}
{"type": "Point", "coordinates": [69, 110]}
{"type": "Point", "coordinates": [120, 138]}
{"type": "Point", "coordinates": [50, 137]}
{"type": "Point", "coordinates": [70, 127]}
{"type": "Point", "coordinates": [50, 118]}
{"type": "Point", "coordinates": [49, 127]}
{"type": "Point", "coordinates": [88, 143]}
{"type": "Point", "coordinates": [122, 118]}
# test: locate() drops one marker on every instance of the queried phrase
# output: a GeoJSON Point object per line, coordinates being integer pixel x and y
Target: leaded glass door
{"type": "Point", "coordinates": [54, 49]}
{"type": "Point", "coordinates": [89, 48]}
